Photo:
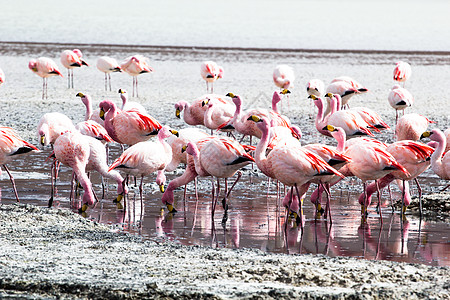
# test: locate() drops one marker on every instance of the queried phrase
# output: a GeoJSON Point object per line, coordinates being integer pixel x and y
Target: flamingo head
{"type": "Point", "coordinates": [32, 65]}
{"type": "Point", "coordinates": [78, 52]}
{"type": "Point", "coordinates": [122, 91]}
{"type": "Point", "coordinates": [105, 106]}
{"type": "Point", "coordinates": [206, 102]}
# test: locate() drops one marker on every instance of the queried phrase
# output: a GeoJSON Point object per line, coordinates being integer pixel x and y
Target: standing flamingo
{"type": "Point", "coordinates": [352, 82]}
{"type": "Point", "coordinates": [44, 67]}
{"type": "Point", "coordinates": [415, 158]}
{"type": "Point", "coordinates": [283, 76]}
{"type": "Point", "coordinates": [145, 158]}
{"type": "Point", "coordinates": [344, 89]}
{"type": "Point", "coordinates": [400, 98]}
{"type": "Point", "coordinates": [2, 77]}
{"type": "Point", "coordinates": [71, 59]}
{"type": "Point", "coordinates": [134, 66]}
{"type": "Point", "coordinates": [72, 149]}
{"type": "Point", "coordinates": [11, 144]}
{"type": "Point", "coordinates": [219, 112]}
{"type": "Point", "coordinates": [108, 65]}
{"type": "Point", "coordinates": [402, 72]}
{"type": "Point", "coordinates": [220, 158]}
{"type": "Point", "coordinates": [210, 72]}
{"type": "Point", "coordinates": [411, 127]}
{"type": "Point", "coordinates": [127, 127]}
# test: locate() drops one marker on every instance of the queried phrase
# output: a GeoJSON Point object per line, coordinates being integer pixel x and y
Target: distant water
{"type": "Point", "coordinates": [286, 24]}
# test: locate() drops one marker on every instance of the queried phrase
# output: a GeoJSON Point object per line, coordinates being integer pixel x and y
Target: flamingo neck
{"type": "Point", "coordinates": [436, 157]}
{"type": "Point", "coordinates": [260, 151]}
{"type": "Point", "coordinates": [319, 122]}
{"type": "Point", "coordinates": [275, 99]}
{"type": "Point", "coordinates": [88, 105]}
{"type": "Point", "coordinates": [124, 100]}
{"type": "Point", "coordinates": [339, 136]}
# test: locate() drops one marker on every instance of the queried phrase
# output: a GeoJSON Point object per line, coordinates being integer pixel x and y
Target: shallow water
{"type": "Point", "coordinates": [254, 220]}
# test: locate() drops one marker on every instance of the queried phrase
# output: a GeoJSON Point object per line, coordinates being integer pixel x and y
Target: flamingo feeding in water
{"type": "Point", "coordinates": [134, 66]}
{"type": "Point", "coordinates": [108, 65]}
{"type": "Point", "coordinates": [44, 67]}
{"type": "Point", "coordinates": [210, 72]}
{"type": "Point", "coordinates": [71, 59]}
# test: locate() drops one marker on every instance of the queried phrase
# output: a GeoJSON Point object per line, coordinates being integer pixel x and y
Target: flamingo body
{"type": "Point", "coordinates": [283, 76]}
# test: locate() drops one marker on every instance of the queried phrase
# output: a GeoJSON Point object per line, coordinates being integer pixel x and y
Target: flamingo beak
{"type": "Point", "coordinates": [231, 95]}
{"type": "Point", "coordinates": [43, 140]}
{"type": "Point", "coordinates": [177, 113]}
{"type": "Point", "coordinates": [161, 188]}
{"type": "Point", "coordinates": [426, 134]}
{"type": "Point", "coordinates": [102, 114]}
{"type": "Point", "coordinates": [175, 133]}
{"type": "Point", "coordinates": [79, 95]}
{"type": "Point", "coordinates": [171, 208]}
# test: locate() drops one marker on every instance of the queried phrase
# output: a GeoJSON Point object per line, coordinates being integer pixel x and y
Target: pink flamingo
{"type": "Point", "coordinates": [402, 72]}
{"type": "Point", "coordinates": [90, 127]}
{"type": "Point", "coordinates": [440, 161]}
{"type": "Point", "coordinates": [108, 65]}
{"type": "Point", "coordinates": [210, 72]}
{"type": "Point", "coordinates": [194, 113]}
{"type": "Point", "coordinates": [283, 76]}
{"type": "Point", "coordinates": [144, 158]}
{"type": "Point", "coordinates": [343, 89]}
{"type": "Point", "coordinates": [243, 125]}
{"type": "Point", "coordinates": [72, 149]}
{"type": "Point", "coordinates": [127, 127]}
{"type": "Point", "coordinates": [90, 114]}
{"type": "Point", "coordinates": [11, 144]}
{"type": "Point", "coordinates": [71, 59]}
{"type": "Point", "coordinates": [220, 158]}
{"type": "Point", "coordinates": [219, 111]}
{"type": "Point", "coordinates": [415, 158]}
{"type": "Point", "coordinates": [411, 127]}
{"type": "Point", "coordinates": [350, 121]}
{"type": "Point", "coordinates": [370, 162]}
{"type": "Point", "coordinates": [44, 67]}
{"type": "Point", "coordinates": [130, 105]}
{"type": "Point", "coordinates": [352, 82]}
{"type": "Point", "coordinates": [51, 126]}
{"type": "Point", "coordinates": [2, 77]}
{"type": "Point", "coordinates": [134, 66]}
{"type": "Point", "coordinates": [447, 136]}
{"type": "Point", "coordinates": [400, 98]}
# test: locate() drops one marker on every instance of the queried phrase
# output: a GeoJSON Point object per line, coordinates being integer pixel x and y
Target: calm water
{"type": "Point", "coordinates": [308, 24]}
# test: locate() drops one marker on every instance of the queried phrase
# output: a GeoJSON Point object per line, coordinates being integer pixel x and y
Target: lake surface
{"type": "Point", "coordinates": [176, 39]}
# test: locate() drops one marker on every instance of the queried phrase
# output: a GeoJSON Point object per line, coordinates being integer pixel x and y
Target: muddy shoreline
{"type": "Point", "coordinates": [54, 253]}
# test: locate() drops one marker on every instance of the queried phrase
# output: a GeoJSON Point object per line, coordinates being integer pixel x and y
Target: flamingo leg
{"type": "Point", "coordinates": [52, 186]}
{"type": "Point", "coordinates": [420, 195]}
{"type": "Point", "coordinates": [326, 188]}
{"type": "Point", "coordinates": [109, 77]}
{"type": "Point", "coordinates": [106, 81]}
{"type": "Point", "coordinates": [137, 94]}
{"type": "Point", "coordinates": [300, 210]}
{"type": "Point", "coordinates": [403, 199]}
{"type": "Point", "coordinates": [379, 200]}
{"type": "Point", "coordinates": [141, 190]}
{"type": "Point", "coordinates": [12, 182]}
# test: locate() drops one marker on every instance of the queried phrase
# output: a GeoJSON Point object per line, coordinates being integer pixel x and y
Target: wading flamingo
{"type": "Point", "coordinates": [145, 158]}
{"type": "Point", "coordinates": [440, 161]}
{"type": "Point", "coordinates": [71, 59]}
{"type": "Point", "coordinates": [415, 158]}
{"type": "Point", "coordinates": [402, 72]}
{"type": "Point", "coordinates": [220, 158]}
{"type": "Point", "coordinates": [44, 67]}
{"type": "Point", "coordinates": [127, 127]}
{"type": "Point", "coordinates": [210, 72]}
{"type": "Point", "coordinates": [134, 66]}
{"type": "Point", "coordinates": [129, 105]}
{"type": "Point", "coordinates": [411, 127]}
{"type": "Point", "coordinates": [400, 98]}
{"type": "Point", "coordinates": [108, 65]}
{"type": "Point", "coordinates": [72, 149]}
{"type": "Point", "coordinates": [11, 144]}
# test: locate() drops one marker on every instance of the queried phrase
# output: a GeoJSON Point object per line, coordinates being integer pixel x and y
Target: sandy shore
{"type": "Point", "coordinates": [51, 253]}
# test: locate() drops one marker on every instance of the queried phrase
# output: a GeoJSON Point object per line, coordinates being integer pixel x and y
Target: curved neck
{"type": "Point", "coordinates": [436, 157]}
{"type": "Point", "coordinates": [260, 151]}
{"type": "Point", "coordinates": [319, 122]}
{"type": "Point", "coordinates": [124, 99]}
{"type": "Point", "coordinates": [339, 136]}
{"type": "Point", "coordinates": [275, 99]}
{"type": "Point", "coordinates": [88, 105]}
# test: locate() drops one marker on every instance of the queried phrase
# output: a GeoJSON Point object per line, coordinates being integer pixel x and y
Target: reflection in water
{"type": "Point", "coordinates": [255, 220]}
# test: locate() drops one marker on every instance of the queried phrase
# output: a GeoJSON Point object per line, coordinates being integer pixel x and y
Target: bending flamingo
{"type": "Point", "coordinates": [11, 144]}
{"type": "Point", "coordinates": [44, 67]}
{"type": "Point", "coordinates": [108, 65]}
{"type": "Point", "coordinates": [440, 161]}
{"type": "Point", "coordinates": [71, 59]}
{"type": "Point", "coordinates": [402, 72]}
{"type": "Point", "coordinates": [283, 76]}
{"type": "Point", "coordinates": [134, 66]}
{"type": "Point", "coordinates": [193, 113]}
{"type": "Point", "coordinates": [210, 72]}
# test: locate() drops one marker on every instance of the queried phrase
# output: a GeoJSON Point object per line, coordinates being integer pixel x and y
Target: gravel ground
{"type": "Point", "coordinates": [54, 253]}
